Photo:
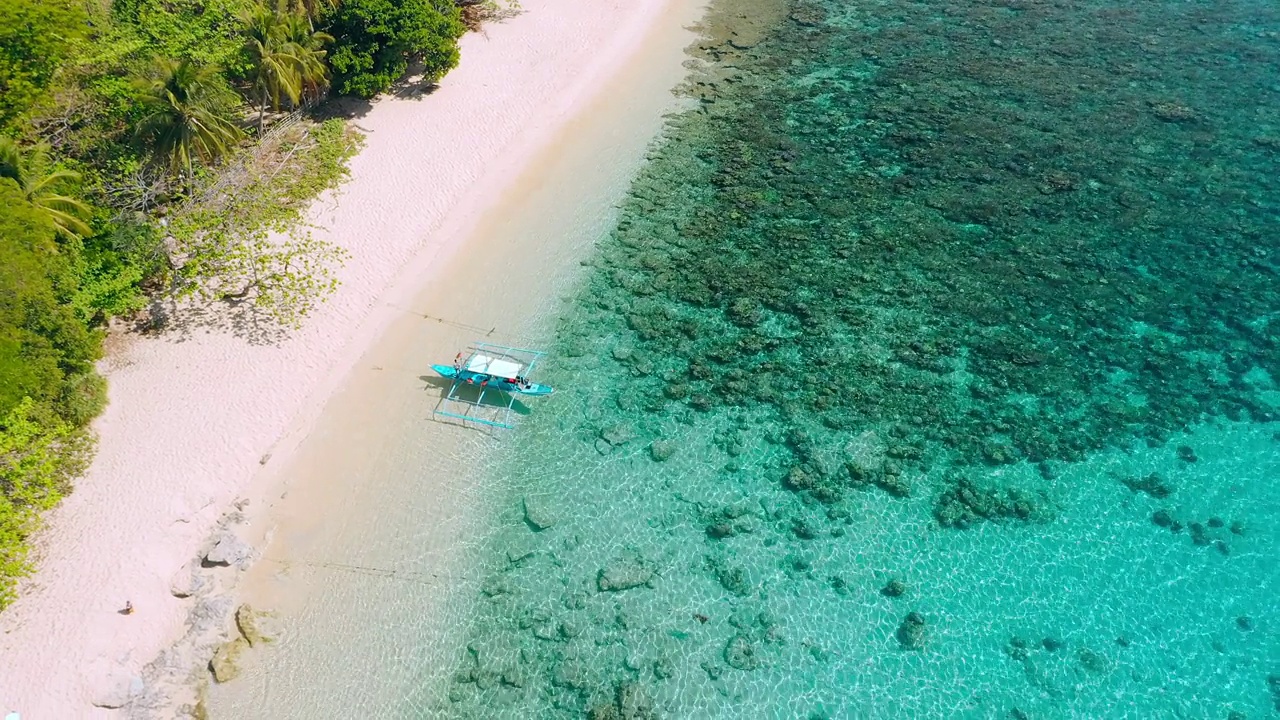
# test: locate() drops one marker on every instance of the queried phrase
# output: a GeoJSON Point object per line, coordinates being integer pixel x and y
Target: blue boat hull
{"type": "Point", "coordinates": [494, 383]}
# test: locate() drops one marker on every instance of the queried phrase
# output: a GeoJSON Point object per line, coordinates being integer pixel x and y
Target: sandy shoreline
{"type": "Point", "coordinates": [197, 422]}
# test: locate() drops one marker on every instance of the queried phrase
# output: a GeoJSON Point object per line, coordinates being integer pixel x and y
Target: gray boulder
{"type": "Point", "coordinates": [227, 549]}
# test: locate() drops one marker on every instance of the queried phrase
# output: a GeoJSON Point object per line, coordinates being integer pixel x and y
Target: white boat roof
{"type": "Point", "coordinates": [493, 366]}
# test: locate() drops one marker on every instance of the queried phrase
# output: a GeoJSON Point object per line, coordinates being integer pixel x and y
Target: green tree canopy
{"type": "Point", "coordinates": [375, 40]}
{"type": "Point", "coordinates": [36, 37]}
{"type": "Point", "coordinates": [43, 344]}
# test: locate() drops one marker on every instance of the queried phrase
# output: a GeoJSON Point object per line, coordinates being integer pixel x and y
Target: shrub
{"type": "Point", "coordinates": [375, 40]}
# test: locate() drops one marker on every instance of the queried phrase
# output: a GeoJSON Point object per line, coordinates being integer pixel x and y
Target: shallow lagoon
{"type": "Point", "coordinates": [957, 309]}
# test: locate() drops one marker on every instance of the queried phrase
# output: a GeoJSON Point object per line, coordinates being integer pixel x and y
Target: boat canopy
{"type": "Point", "coordinates": [493, 366]}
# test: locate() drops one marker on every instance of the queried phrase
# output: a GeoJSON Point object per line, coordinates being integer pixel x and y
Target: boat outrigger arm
{"type": "Point", "coordinates": [486, 369]}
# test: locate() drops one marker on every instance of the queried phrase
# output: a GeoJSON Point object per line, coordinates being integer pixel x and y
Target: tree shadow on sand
{"type": "Point", "coordinates": [413, 86]}
{"type": "Point", "coordinates": [178, 320]}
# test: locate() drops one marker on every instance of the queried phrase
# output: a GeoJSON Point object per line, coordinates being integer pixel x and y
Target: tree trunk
{"type": "Point", "coordinates": [262, 112]}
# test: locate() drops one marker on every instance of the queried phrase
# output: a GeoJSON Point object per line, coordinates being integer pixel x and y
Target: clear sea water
{"type": "Point", "coordinates": [929, 372]}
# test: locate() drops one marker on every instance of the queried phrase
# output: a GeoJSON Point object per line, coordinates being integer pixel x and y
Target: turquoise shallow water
{"type": "Point", "coordinates": [928, 373]}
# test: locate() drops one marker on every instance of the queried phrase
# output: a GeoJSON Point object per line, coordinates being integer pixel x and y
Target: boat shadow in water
{"type": "Point", "coordinates": [470, 393]}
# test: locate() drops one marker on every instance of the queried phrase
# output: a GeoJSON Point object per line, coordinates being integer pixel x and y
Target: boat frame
{"type": "Point", "coordinates": [458, 408]}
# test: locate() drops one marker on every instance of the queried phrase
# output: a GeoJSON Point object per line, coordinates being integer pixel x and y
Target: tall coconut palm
{"type": "Point", "coordinates": [39, 182]}
{"type": "Point", "coordinates": [275, 68]}
{"type": "Point", "coordinates": [190, 115]}
{"type": "Point", "coordinates": [309, 9]}
{"type": "Point", "coordinates": [307, 46]}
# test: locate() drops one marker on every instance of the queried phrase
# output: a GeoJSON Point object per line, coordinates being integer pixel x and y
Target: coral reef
{"type": "Point", "coordinates": [964, 503]}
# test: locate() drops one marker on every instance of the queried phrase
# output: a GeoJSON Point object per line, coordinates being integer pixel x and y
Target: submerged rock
{"type": "Point", "coordinates": [911, 632]}
{"type": "Point", "coordinates": [1152, 484]}
{"type": "Point", "coordinates": [740, 653]}
{"type": "Point", "coordinates": [965, 503]}
{"type": "Point", "coordinates": [894, 588]}
{"type": "Point", "coordinates": [248, 622]}
{"type": "Point", "coordinates": [1093, 661]}
{"type": "Point", "coordinates": [538, 513]}
{"type": "Point", "coordinates": [662, 450]}
{"type": "Point", "coordinates": [624, 574]}
{"type": "Point", "coordinates": [617, 434]}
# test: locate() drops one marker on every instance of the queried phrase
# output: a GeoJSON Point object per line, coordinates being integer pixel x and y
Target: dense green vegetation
{"type": "Point", "coordinates": [137, 159]}
{"type": "Point", "coordinates": [376, 38]}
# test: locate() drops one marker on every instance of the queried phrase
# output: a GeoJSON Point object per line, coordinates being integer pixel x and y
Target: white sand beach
{"type": "Point", "coordinates": [200, 420]}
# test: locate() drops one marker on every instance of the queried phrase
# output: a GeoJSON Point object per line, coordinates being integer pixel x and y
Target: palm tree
{"type": "Point", "coordinates": [287, 55]}
{"type": "Point", "coordinates": [307, 46]}
{"type": "Point", "coordinates": [309, 9]}
{"type": "Point", "coordinates": [189, 115]}
{"type": "Point", "coordinates": [38, 181]}
{"type": "Point", "coordinates": [275, 68]}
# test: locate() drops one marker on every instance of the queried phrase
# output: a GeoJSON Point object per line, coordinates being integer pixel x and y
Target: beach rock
{"type": "Point", "coordinates": [624, 574]}
{"type": "Point", "coordinates": [225, 663]}
{"type": "Point", "coordinates": [118, 690]}
{"type": "Point", "coordinates": [186, 582]}
{"type": "Point", "coordinates": [662, 450]}
{"type": "Point", "coordinates": [227, 549]}
{"type": "Point", "coordinates": [911, 632]}
{"type": "Point", "coordinates": [538, 513]}
{"type": "Point", "coordinates": [248, 621]}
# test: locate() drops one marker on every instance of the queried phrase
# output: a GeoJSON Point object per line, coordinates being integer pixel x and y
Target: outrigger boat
{"type": "Point", "coordinates": [485, 368]}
